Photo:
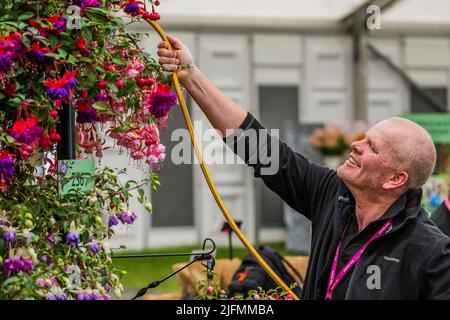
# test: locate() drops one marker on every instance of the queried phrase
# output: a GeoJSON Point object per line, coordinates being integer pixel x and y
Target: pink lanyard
{"type": "Point", "coordinates": [447, 203]}
{"type": "Point", "coordinates": [334, 280]}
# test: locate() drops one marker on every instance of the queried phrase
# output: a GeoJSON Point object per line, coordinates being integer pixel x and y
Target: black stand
{"type": "Point", "coordinates": [227, 228]}
{"type": "Point", "coordinates": [66, 129]}
{"type": "Point", "coordinates": [198, 256]}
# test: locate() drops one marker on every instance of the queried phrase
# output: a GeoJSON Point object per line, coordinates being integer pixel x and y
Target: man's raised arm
{"type": "Point", "coordinates": [221, 111]}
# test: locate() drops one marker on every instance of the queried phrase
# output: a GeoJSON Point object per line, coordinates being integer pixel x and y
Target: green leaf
{"type": "Point", "coordinates": [10, 280]}
{"type": "Point", "coordinates": [101, 106]}
{"type": "Point", "coordinates": [121, 129]}
{"type": "Point", "coordinates": [26, 15]}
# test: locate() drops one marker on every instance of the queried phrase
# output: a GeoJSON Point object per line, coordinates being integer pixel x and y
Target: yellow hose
{"type": "Point", "coordinates": [207, 175]}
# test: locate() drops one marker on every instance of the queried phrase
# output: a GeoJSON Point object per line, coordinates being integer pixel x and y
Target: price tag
{"type": "Point", "coordinates": [82, 172]}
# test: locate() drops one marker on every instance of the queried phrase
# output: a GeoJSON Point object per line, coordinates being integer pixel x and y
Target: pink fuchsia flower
{"type": "Point", "coordinates": [134, 68]}
{"type": "Point", "coordinates": [288, 297]}
{"type": "Point", "coordinates": [46, 283]}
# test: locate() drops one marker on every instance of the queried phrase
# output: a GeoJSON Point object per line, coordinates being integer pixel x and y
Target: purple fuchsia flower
{"type": "Point", "coordinates": [94, 247]}
{"type": "Point", "coordinates": [26, 131]}
{"type": "Point", "coordinates": [90, 116]}
{"type": "Point", "coordinates": [7, 169]}
{"type": "Point", "coordinates": [73, 238]}
{"type": "Point", "coordinates": [60, 88]}
{"type": "Point", "coordinates": [13, 264]}
{"type": "Point", "coordinates": [9, 235]}
{"type": "Point", "coordinates": [132, 9]}
{"type": "Point", "coordinates": [37, 54]}
{"type": "Point", "coordinates": [113, 220]}
{"type": "Point", "coordinates": [86, 3]}
{"type": "Point", "coordinates": [127, 217]}
{"type": "Point", "coordinates": [27, 264]}
{"type": "Point", "coordinates": [161, 101]}
{"type": "Point", "coordinates": [16, 264]}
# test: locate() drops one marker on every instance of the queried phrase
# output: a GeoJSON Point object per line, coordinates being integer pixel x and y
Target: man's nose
{"type": "Point", "coordinates": [356, 146]}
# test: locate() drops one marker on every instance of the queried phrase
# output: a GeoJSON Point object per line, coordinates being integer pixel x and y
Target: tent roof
{"type": "Point", "coordinates": [295, 13]}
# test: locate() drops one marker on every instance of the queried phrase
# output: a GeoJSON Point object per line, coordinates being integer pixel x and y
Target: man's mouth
{"type": "Point", "coordinates": [352, 161]}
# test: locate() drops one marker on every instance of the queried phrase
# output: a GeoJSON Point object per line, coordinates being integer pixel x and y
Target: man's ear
{"type": "Point", "coordinates": [396, 180]}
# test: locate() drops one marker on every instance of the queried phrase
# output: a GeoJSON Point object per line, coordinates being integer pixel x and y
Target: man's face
{"type": "Point", "coordinates": [370, 163]}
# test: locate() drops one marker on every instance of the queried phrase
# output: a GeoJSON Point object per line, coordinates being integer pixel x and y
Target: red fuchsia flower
{"type": "Point", "coordinates": [132, 7]}
{"type": "Point", "coordinates": [161, 101]}
{"type": "Point", "coordinates": [37, 54]}
{"type": "Point", "coordinates": [10, 89]}
{"type": "Point", "coordinates": [80, 44]}
{"type": "Point", "coordinates": [6, 170]}
{"type": "Point", "coordinates": [11, 47]}
{"type": "Point", "coordinates": [134, 68]}
{"type": "Point", "coordinates": [60, 88]}
{"type": "Point", "coordinates": [57, 25]}
{"type": "Point", "coordinates": [26, 132]}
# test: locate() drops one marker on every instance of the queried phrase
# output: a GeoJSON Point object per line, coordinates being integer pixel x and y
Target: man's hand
{"type": "Point", "coordinates": [171, 60]}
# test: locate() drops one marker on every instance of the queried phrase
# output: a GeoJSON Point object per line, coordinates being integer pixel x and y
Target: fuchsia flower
{"type": "Point", "coordinates": [73, 238]}
{"type": "Point", "coordinates": [17, 264]}
{"type": "Point", "coordinates": [86, 3]}
{"type": "Point", "coordinates": [131, 7]}
{"type": "Point", "coordinates": [27, 131]}
{"type": "Point", "coordinates": [37, 53]}
{"type": "Point", "coordinates": [11, 47]}
{"type": "Point", "coordinates": [9, 235]}
{"type": "Point", "coordinates": [127, 217]}
{"type": "Point", "coordinates": [60, 88]}
{"type": "Point", "coordinates": [80, 44]}
{"type": "Point", "coordinates": [161, 101]}
{"type": "Point", "coordinates": [134, 68]}
{"type": "Point", "coordinates": [7, 169]}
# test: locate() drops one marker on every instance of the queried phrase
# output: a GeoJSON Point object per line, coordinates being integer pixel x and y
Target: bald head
{"type": "Point", "coordinates": [412, 149]}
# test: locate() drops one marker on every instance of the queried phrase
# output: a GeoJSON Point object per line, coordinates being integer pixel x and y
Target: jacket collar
{"type": "Point", "coordinates": [406, 207]}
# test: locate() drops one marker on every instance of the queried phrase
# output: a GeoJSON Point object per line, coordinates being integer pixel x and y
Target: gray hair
{"type": "Point", "coordinates": [416, 154]}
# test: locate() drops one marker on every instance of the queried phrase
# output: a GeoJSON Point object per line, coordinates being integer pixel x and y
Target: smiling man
{"type": "Point", "coordinates": [370, 237]}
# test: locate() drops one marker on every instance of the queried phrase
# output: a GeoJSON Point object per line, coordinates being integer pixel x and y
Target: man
{"type": "Point", "coordinates": [370, 237]}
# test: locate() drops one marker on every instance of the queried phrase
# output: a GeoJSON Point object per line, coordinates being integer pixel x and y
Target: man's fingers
{"type": "Point", "coordinates": [162, 45]}
{"type": "Point", "coordinates": [165, 60]}
{"type": "Point", "coordinates": [175, 42]}
{"type": "Point", "coordinates": [166, 53]}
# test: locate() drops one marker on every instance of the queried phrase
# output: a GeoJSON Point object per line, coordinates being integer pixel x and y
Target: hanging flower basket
{"type": "Point", "coordinates": [53, 245]}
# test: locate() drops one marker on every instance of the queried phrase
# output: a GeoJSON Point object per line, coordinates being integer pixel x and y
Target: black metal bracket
{"type": "Point", "coordinates": [198, 256]}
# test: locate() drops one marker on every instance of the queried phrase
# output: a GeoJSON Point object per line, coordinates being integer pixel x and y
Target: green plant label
{"type": "Point", "coordinates": [437, 125]}
{"type": "Point", "coordinates": [77, 175]}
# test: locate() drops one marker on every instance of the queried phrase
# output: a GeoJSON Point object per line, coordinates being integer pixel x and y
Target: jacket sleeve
{"type": "Point", "coordinates": [437, 272]}
{"type": "Point", "coordinates": [302, 185]}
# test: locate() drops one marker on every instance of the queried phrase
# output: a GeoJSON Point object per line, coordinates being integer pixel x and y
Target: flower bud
{"type": "Point", "coordinates": [28, 223]}
{"type": "Point", "coordinates": [148, 206]}
{"type": "Point", "coordinates": [117, 293]}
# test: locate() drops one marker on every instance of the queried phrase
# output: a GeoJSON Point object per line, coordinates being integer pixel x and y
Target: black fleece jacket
{"type": "Point", "coordinates": [413, 257]}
